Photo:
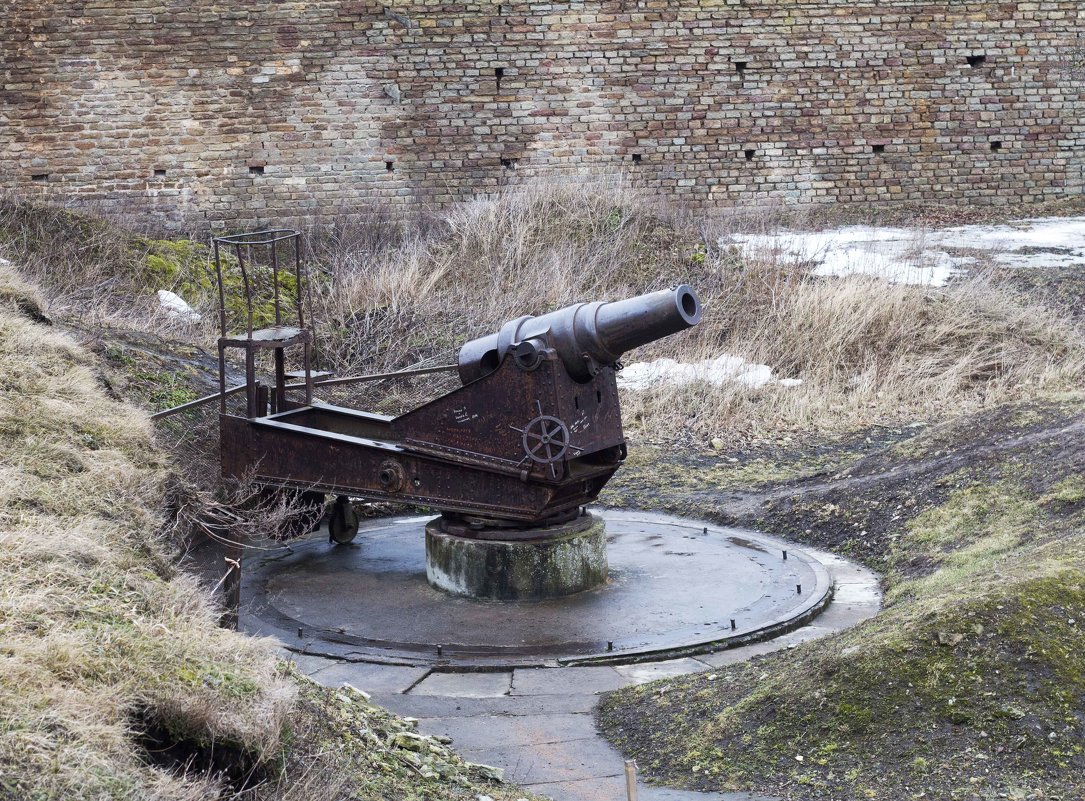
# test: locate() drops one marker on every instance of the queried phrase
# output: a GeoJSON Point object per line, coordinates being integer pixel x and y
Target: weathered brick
{"type": "Point", "coordinates": [322, 93]}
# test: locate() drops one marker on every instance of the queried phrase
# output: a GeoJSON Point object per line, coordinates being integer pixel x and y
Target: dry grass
{"type": "Point", "coordinates": [867, 351]}
{"type": "Point", "coordinates": [389, 293]}
{"type": "Point", "coordinates": [414, 298]}
{"type": "Point", "coordinates": [117, 683]}
{"type": "Point", "coordinates": [870, 352]}
{"type": "Point", "coordinates": [88, 268]}
{"type": "Point", "coordinates": [97, 630]}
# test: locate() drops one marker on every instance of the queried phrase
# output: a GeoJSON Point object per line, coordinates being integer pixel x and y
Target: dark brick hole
{"type": "Point", "coordinates": [39, 176]}
{"type": "Point", "coordinates": [508, 164]}
{"type": "Point", "coordinates": [159, 173]}
{"type": "Point", "coordinates": [996, 146]}
{"type": "Point", "coordinates": [740, 66]}
{"type": "Point", "coordinates": [256, 169]}
{"type": "Point", "coordinates": [975, 61]}
{"type": "Point", "coordinates": [749, 154]}
{"type": "Point", "coordinates": [877, 148]}
{"type": "Point", "coordinates": [637, 158]}
{"type": "Point", "coordinates": [389, 166]}
{"type": "Point", "coordinates": [233, 766]}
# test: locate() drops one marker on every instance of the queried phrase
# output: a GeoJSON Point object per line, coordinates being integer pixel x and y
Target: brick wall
{"type": "Point", "coordinates": [252, 110]}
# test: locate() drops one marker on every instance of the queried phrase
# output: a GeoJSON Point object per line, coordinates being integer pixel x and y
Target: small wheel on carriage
{"type": "Point", "coordinates": [343, 522]}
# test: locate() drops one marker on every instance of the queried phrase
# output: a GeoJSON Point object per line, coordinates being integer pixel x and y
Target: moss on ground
{"type": "Point", "coordinates": [187, 268]}
{"type": "Point", "coordinates": [970, 683]}
{"type": "Point", "coordinates": [85, 260]}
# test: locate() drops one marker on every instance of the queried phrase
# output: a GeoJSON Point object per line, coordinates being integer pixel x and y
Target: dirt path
{"type": "Point", "coordinates": [745, 505]}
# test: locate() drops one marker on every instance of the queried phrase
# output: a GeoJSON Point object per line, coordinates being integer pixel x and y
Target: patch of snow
{"type": "Point", "coordinates": [1040, 242]}
{"type": "Point", "coordinates": [722, 370]}
{"type": "Point", "coordinates": [175, 306]}
{"type": "Point", "coordinates": [895, 254]}
{"type": "Point", "coordinates": [915, 256]}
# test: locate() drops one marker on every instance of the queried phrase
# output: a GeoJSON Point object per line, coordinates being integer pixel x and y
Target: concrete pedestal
{"type": "Point", "coordinates": [559, 561]}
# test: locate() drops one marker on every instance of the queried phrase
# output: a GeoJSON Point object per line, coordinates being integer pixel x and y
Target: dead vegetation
{"type": "Point", "coordinates": [391, 293]}
{"type": "Point", "coordinates": [865, 350]}
{"type": "Point", "coordinates": [117, 682]}
{"type": "Point", "coordinates": [95, 624]}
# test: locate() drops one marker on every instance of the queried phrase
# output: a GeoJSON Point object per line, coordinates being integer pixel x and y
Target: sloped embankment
{"type": "Point", "coordinates": [115, 681]}
{"type": "Point", "coordinates": [970, 683]}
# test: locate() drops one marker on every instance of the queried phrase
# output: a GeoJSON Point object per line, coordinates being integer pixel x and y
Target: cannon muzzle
{"type": "Point", "coordinates": [585, 336]}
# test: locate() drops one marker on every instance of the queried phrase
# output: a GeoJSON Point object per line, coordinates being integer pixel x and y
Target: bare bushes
{"type": "Point", "coordinates": [538, 248]}
{"type": "Point", "coordinates": [864, 349]}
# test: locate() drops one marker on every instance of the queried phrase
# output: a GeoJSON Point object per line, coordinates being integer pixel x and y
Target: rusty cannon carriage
{"type": "Point", "coordinates": [509, 459]}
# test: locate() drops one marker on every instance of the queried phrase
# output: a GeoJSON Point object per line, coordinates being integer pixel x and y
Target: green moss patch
{"type": "Point", "coordinates": [188, 269]}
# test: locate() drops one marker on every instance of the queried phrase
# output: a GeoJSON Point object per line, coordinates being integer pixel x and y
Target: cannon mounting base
{"type": "Point", "coordinates": [517, 564]}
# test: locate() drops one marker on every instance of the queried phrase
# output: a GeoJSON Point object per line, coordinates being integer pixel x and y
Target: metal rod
{"type": "Point", "coordinates": [222, 295]}
{"type": "Point", "coordinates": [297, 281]}
{"type": "Point", "coordinates": [222, 382]}
{"type": "Point", "coordinates": [356, 379]}
{"type": "Point", "coordinates": [248, 291]}
{"type": "Point", "coordinates": [279, 398]}
{"type": "Point", "coordinates": [631, 780]}
{"type": "Point", "coordinates": [258, 237]}
{"type": "Point", "coordinates": [275, 282]}
{"type": "Point", "coordinates": [308, 356]}
{"type": "Point", "coordinates": [252, 386]}
{"type": "Point", "coordinates": [316, 383]}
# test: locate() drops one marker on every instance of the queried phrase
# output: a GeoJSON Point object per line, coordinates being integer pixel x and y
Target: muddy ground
{"type": "Point", "coordinates": [971, 684]}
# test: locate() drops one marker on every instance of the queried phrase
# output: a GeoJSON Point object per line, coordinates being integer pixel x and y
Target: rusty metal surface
{"type": "Point", "coordinates": [259, 255]}
{"type": "Point", "coordinates": [675, 587]}
{"type": "Point", "coordinates": [534, 432]}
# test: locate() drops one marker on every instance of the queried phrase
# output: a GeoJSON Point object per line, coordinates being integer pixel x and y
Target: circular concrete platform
{"type": "Point", "coordinates": [675, 587]}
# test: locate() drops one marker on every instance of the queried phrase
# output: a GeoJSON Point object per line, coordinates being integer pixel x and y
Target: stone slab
{"type": "Point", "coordinates": [435, 706]}
{"type": "Point", "coordinates": [465, 685]}
{"type": "Point", "coordinates": [308, 664]}
{"type": "Point", "coordinates": [857, 592]}
{"type": "Point", "coordinates": [839, 616]}
{"type": "Point", "coordinates": [650, 671]}
{"type": "Point", "coordinates": [552, 762]}
{"type": "Point", "coordinates": [482, 732]}
{"type": "Point", "coordinates": [566, 681]}
{"type": "Point", "coordinates": [372, 678]}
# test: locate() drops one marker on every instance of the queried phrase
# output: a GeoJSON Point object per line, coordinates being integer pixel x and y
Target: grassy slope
{"type": "Point", "coordinates": [104, 644]}
{"type": "Point", "coordinates": [970, 684]}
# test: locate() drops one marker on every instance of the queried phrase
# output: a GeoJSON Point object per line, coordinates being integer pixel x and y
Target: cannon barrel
{"type": "Point", "coordinates": [585, 336]}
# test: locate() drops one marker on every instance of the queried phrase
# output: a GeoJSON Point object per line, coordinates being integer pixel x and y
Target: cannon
{"type": "Point", "coordinates": [515, 453]}
{"type": "Point", "coordinates": [533, 434]}
{"type": "Point", "coordinates": [586, 336]}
